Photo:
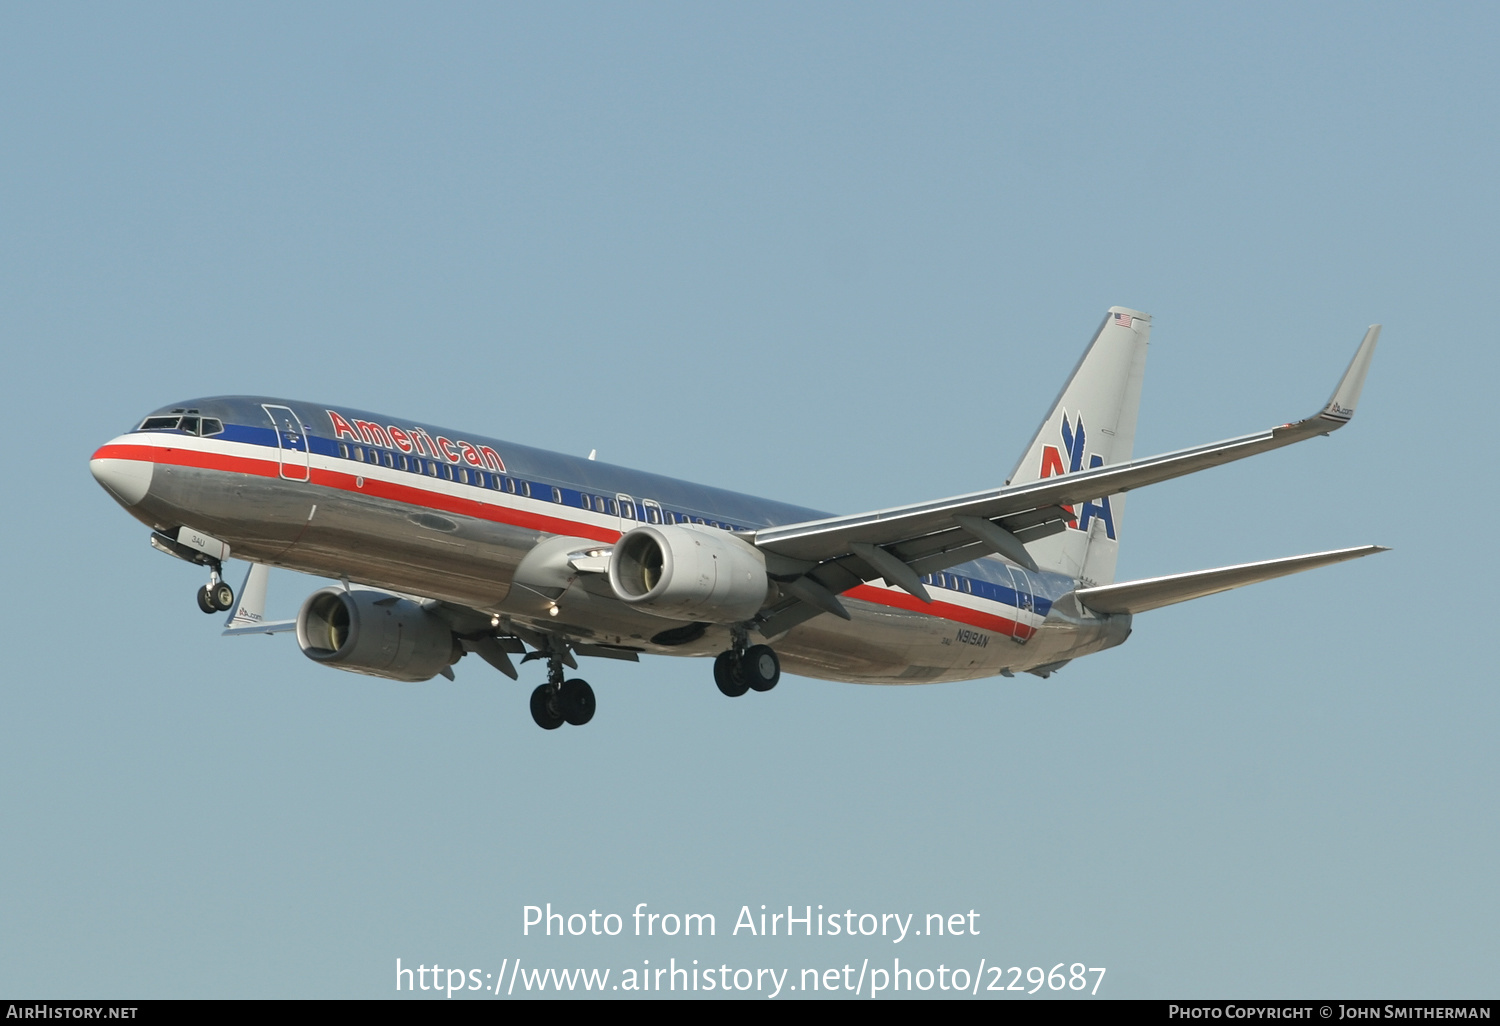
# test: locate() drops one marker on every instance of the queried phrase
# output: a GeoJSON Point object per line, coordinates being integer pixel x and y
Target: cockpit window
{"type": "Point", "coordinates": [189, 425]}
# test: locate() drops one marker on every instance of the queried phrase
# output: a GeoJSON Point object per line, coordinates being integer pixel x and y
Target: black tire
{"type": "Point", "coordinates": [222, 596]}
{"type": "Point", "coordinates": [759, 668]}
{"type": "Point", "coordinates": [542, 709]}
{"type": "Point", "coordinates": [577, 702]}
{"type": "Point", "coordinates": [727, 675]}
{"type": "Point", "coordinates": [206, 601]}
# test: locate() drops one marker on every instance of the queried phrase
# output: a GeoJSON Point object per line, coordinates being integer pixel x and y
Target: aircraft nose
{"type": "Point", "coordinates": [127, 480]}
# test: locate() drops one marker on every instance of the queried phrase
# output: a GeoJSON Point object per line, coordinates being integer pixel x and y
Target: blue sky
{"type": "Point", "coordinates": [841, 255]}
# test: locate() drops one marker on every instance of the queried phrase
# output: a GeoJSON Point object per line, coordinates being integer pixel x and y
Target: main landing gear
{"type": "Point", "coordinates": [561, 701]}
{"type": "Point", "coordinates": [216, 596]}
{"type": "Point", "coordinates": [747, 669]}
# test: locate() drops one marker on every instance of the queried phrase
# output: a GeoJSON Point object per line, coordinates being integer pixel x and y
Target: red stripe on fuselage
{"type": "Point", "coordinates": [938, 608]}
{"type": "Point", "coordinates": [421, 497]}
{"type": "Point", "coordinates": [406, 494]}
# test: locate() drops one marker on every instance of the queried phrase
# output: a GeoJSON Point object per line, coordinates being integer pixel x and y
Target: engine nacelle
{"type": "Point", "coordinates": [688, 572]}
{"type": "Point", "coordinates": [374, 633]}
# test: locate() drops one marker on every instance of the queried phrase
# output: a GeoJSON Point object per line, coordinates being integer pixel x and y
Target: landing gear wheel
{"type": "Point", "coordinates": [759, 668]}
{"type": "Point", "coordinates": [222, 596]}
{"type": "Point", "coordinates": [727, 675]}
{"type": "Point", "coordinates": [577, 702]}
{"type": "Point", "coordinates": [206, 600]}
{"type": "Point", "coordinates": [542, 708]}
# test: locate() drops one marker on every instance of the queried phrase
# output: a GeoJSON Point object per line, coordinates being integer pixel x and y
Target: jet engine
{"type": "Point", "coordinates": [374, 633]}
{"type": "Point", "coordinates": [687, 572]}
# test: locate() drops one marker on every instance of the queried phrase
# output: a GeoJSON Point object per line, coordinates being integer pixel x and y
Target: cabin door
{"type": "Point", "coordinates": [1025, 604]}
{"type": "Point", "coordinates": [291, 442]}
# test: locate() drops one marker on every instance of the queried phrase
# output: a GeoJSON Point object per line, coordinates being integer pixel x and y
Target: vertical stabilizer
{"type": "Point", "coordinates": [1092, 424]}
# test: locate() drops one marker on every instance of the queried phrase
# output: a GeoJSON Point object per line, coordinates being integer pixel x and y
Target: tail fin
{"type": "Point", "coordinates": [1092, 424]}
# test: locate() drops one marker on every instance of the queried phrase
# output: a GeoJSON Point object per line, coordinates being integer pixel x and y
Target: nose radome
{"type": "Point", "coordinates": [127, 480]}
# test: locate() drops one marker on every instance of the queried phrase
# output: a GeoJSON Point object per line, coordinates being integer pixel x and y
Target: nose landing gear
{"type": "Point", "coordinates": [216, 596]}
{"type": "Point", "coordinates": [738, 670]}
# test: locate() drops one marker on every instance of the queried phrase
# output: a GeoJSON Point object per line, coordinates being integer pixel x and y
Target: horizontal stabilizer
{"type": "Point", "coordinates": [1154, 592]}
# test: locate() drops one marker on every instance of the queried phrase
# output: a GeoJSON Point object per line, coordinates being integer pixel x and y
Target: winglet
{"type": "Point", "coordinates": [249, 614]}
{"type": "Point", "coordinates": [1341, 404]}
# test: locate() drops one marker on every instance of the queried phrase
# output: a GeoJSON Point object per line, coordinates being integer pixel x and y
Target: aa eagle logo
{"type": "Point", "coordinates": [1069, 459]}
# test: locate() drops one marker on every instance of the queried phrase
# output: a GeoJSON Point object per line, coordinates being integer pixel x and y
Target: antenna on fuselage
{"type": "Point", "coordinates": [593, 453]}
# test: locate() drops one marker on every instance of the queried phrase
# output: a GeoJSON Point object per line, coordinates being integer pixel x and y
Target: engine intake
{"type": "Point", "coordinates": [688, 572]}
{"type": "Point", "coordinates": [374, 633]}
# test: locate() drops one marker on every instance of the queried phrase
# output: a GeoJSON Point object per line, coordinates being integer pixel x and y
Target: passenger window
{"type": "Point", "coordinates": [968, 588]}
{"type": "Point", "coordinates": [431, 468]}
{"type": "Point", "coordinates": [557, 495]}
{"type": "Point", "coordinates": [390, 460]}
{"type": "Point", "coordinates": [627, 510]}
{"type": "Point", "coordinates": [212, 426]}
{"type": "Point", "coordinates": [524, 487]}
{"type": "Point", "coordinates": [653, 514]}
{"type": "Point", "coordinates": [463, 476]}
{"type": "Point", "coordinates": [699, 520]}
{"type": "Point", "coordinates": [343, 450]}
{"type": "Point", "coordinates": [610, 505]}
{"type": "Point", "coordinates": [510, 485]}
{"type": "Point", "coordinates": [359, 453]}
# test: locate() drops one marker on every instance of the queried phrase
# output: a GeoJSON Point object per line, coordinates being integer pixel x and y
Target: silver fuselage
{"type": "Point", "coordinates": [487, 525]}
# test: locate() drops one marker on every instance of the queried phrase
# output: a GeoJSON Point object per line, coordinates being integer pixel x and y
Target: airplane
{"type": "Point", "coordinates": [446, 543]}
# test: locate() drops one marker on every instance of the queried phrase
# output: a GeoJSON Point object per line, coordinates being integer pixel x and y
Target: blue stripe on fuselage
{"type": "Point", "coordinates": [988, 578]}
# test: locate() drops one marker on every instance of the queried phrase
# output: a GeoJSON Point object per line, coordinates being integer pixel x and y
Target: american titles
{"type": "Point", "coordinates": [415, 440]}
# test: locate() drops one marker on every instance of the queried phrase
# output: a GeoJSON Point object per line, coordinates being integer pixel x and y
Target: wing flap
{"type": "Point", "coordinates": [1155, 592]}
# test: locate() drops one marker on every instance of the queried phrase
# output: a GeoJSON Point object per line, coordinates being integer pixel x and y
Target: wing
{"type": "Point", "coordinates": [818, 559]}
